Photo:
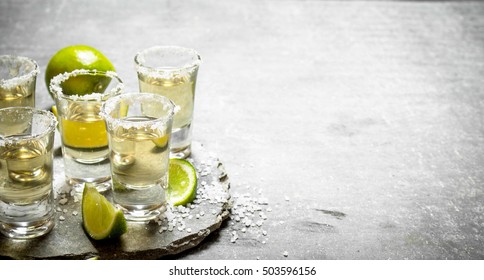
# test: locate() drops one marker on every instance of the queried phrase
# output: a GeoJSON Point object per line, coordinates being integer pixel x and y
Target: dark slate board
{"type": "Point", "coordinates": [189, 225]}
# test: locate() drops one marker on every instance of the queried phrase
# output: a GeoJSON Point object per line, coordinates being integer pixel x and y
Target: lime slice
{"type": "Point", "coordinates": [161, 142]}
{"type": "Point", "coordinates": [54, 110]}
{"type": "Point", "coordinates": [123, 109]}
{"type": "Point", "coordinates": [182, 182]}
{"type": "Point", "coordinates": [101, 220]}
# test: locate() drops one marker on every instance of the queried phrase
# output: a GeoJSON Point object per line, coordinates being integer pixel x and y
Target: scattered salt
{"type": "Point", "coordinates": [234, 237]}
{"type": "Point", "coordinates": [63, 201]}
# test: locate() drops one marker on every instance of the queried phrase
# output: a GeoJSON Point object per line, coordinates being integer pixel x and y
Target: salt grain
{"type": "Point", "coordinates": [63, 201]}
{"type": "Point", "coordinates": [234, 237]}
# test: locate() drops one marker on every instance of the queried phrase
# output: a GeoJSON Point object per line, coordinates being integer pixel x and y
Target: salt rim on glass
{"type": "Point", "coordinates": [169, 71]}
{"type": "Point", "coordinates": [16, 79]}
{"type": "Point", "coordinates": [131, 98]}
{"type": "Point", "coordinates": [56, 89]}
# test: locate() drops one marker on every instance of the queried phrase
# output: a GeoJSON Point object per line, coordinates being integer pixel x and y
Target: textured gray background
{"type": "Point", "coordinates": [361, 122]}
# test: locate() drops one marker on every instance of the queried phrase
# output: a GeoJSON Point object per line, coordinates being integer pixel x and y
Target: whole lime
{"type": "Point", "coordinates": [78, 57]}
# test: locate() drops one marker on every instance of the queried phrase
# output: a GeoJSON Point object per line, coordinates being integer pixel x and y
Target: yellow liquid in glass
{"type": "Point", "coordinates": [84, 133]}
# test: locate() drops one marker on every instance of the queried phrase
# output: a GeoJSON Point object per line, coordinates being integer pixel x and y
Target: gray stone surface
{"type": "Point", "coordinates": [361, 122]}
{"type": "Point", "coordinates": [143, 240]}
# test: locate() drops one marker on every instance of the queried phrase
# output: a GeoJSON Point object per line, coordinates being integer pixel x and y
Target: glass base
{"type": "Point", "coordinates": [140, 203]}
{"type": "Point", "coordinates": [102, 184]}
{"type": "Point", "coordinates": [27, 230]}
{"type": "Point", "coordinates": [181, 152]}
{"type": "Point", "coordinates": [180, 143]}
{"type": "Point", "coordinates": [77, 174]}
{"type": "Point", "coordinates": [141, 215]}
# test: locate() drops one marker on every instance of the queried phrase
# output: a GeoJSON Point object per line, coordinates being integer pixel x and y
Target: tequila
{"type": "Point", "coordinates": [139, 129]}
{"type": "Point", "coordinates": [139, 166]}
{"type": "Point", "coordinates": [26, 195]}
{"type": "Point", "coordinates": [180, 89]}
{"type": "Point", "coordinates": [84, 134]}
{"type": "Point", "coordinates": [26, 170]}
{"type": "Point", "coordinates": [172, 72]}
{"type": "Point", "coordinates": [17, 81]}
{"type": "Point", "coordinates": [19, 96]}
{"type": "Point", "coordinates": [83, 130]}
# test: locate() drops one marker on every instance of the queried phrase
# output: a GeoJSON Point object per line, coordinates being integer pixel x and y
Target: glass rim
{"type": "Point", "coordinates": [109, 105]}
{"type": "Point", "coordinates": [143, 67]}
{"type": "Point", "coordinates": [56, 81]}
{"type": "Point", "coordinates": [50, 128]}
{"type": "Point", "coordinates": [13, 82]}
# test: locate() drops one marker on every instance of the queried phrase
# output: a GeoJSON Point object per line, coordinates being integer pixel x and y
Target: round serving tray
{"type": "Point", "coordinates": [179, 229]}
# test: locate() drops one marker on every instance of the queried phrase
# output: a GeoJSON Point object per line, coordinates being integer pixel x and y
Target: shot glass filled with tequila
{"type": "Point", "coordinates": [78, 97]}
{"type": "Point", "coordinates": [139, 127]}
{"type": "Point", "coordinates": [26, 193]}
{"type": "Point", "coordinates": [172, 72]}
{"type": "Point", "coordinates": [17, 81]}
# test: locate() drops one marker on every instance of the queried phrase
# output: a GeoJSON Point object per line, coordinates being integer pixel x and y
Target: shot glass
{"type": "Point", "coordinates": [17, 81]}
{"type": "Point", "coordinates": [139, 127]}
{"type": "Point", "coordinates": [78, 98]}
{"type": "Point", "coordinates": [26, 192]}
{"type": "Point", "coordinates": [172, 72]}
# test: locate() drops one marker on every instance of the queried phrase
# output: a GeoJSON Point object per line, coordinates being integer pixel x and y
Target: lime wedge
{"type": "Point", "coordinates": [161, 142]}
{"type": "Point", "coordinates": [54, 110]}
{"type": "Point", "coordinates": [182, 182]}
{"type": "Point", "coordinates": [101, 220]}
{"type": "Point", "coordinates": [123, 109]}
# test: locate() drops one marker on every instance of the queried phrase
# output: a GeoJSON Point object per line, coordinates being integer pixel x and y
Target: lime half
{"type": "Point", "coordinates": [101, 220]}
{"type": "Point", "coordinates": [182, 182]}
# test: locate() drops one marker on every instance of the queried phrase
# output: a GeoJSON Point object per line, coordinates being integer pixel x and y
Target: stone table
{"type": "Point", "coordinates": [357, 124]}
